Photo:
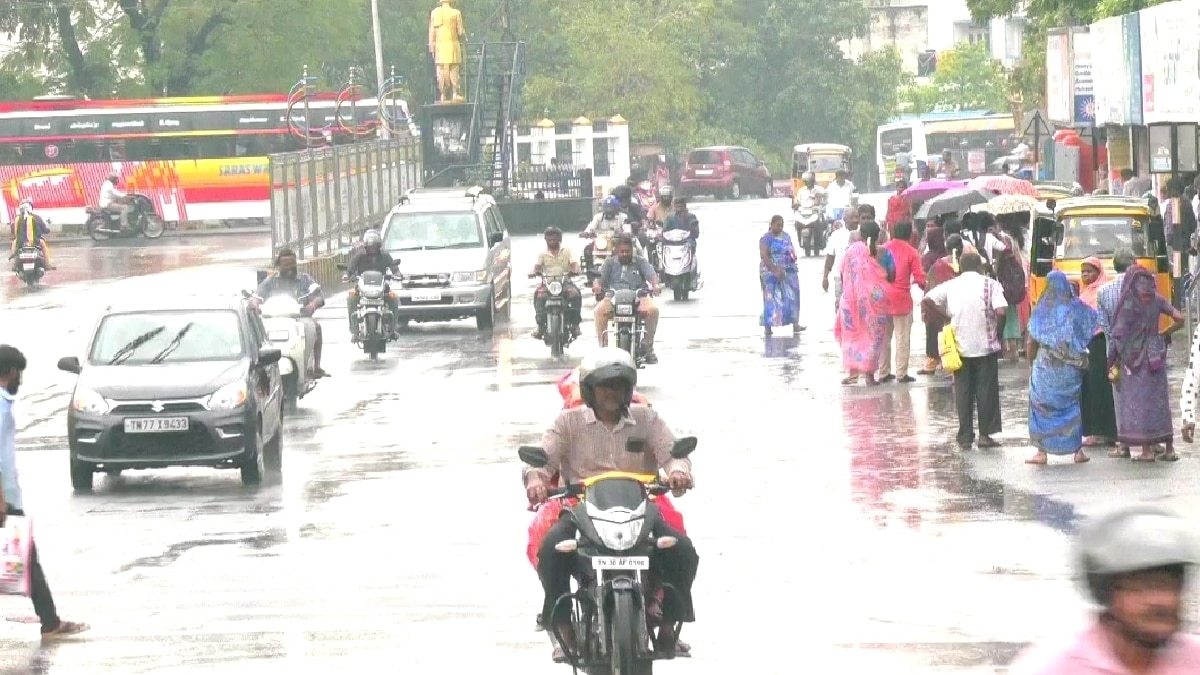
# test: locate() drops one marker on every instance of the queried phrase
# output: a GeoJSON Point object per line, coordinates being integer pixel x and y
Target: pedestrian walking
{"type": "Point", "coordinates": [1099, 415]}
{"type": "Point", "coordinates": [862, 313]}
{"type": "Point", "coordinates": [779, 278]}
{"type": "Point", "coordinates": [12, 366]}
{"type": "Point", "coordinates": [974, 305]}
{"type": "Point", "coordinates": [898, 331]}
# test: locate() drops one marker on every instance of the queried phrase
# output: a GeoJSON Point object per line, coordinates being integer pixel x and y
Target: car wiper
{"type": "Point", "coordinates": [125, 352]}
{"type": "Point", "coordinates": [173, 344]}
{"type": "Point", "coordinates": [461, 244]}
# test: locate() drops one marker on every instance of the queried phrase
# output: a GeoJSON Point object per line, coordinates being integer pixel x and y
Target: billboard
{"type": "Point", "coordinates": [1058, 77]}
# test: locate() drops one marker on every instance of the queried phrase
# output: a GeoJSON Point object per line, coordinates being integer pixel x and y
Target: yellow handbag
{"type": "Point", "coordinates": [948, 349]}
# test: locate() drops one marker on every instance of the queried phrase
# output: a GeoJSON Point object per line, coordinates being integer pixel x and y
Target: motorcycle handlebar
{"type": "Point", "coordinates": [657, 488]}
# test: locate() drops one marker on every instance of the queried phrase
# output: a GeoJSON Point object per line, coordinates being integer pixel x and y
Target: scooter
{"type": "Point", "coordinates": [294, 334]}
{"type": "Point", "coordinates": [616, 518]}
{"type": "Point", "coordinates": [679, 263]}
{"type": "Point", "coordinates": [810, 226]}
{"type": "Point", "coordinates": [31, 265]}
{"type": "Point", "coordinates": [143, 220]}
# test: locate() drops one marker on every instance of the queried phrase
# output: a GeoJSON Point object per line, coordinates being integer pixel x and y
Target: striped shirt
{"type": "Point", "coordinates": [580, 446]}
{"type": "Point", "coordinates": [1106, 302]}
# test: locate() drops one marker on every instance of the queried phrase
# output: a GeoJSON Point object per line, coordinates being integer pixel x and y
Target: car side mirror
{"type": "Point", "coordinates": [533, 456]}
{"type": "Point", "coordinates": [269, 356]}
{"type": "Point", "coordinates": [684, 447]}
{"type": "Point", "coordinates": [70, 364]}
{"type": "Point", "coordinates": [495, 238]}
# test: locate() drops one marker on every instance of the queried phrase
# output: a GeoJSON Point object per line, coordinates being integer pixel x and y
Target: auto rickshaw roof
{"type": "Point", "coordinates": [812, 148]}
{"type": "Point", "coordinates": [1098, 205]}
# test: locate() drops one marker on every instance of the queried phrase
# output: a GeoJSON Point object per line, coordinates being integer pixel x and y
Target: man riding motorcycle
{"type": "Point", "coordinates": [556, 261]}
{"type": "Point", "coordinates": [662, 208]}
{"type": "Point", "coordinates": [114, 200]}
{"type": "Point", "coordinates": [370, 258]}
{"type": "Point", "coordinates": [682, 219]}
{"type": "Point", "coordinates": [610, 222]}
{"type": "Point", "coordinates": [634, 213]}
{"type": "Point", "coordinates": [29, 227]}
{"type": "Point", "coordinates": [287, 281]}
{"type": "Point", "coordinates": [839, 195]}
{"type": "Point", "coordinates": [625, 271]}
{"type": "Point", "coordinates": [588, 441]}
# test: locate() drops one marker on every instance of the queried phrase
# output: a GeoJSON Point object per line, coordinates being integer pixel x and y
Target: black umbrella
{"type": "Point", "coordinates": [953, 201]}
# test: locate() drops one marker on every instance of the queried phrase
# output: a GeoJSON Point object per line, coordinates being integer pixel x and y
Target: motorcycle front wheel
{"type": "Point", "coordinates": [623, 631]}
{"type": "Point", "coordinates": [554, 328]}
{"type": "Point", "coordinates": [153, 226]}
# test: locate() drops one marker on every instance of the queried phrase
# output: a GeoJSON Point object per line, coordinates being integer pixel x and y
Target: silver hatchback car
{"type": "Point", "coordinates": [455, 256]}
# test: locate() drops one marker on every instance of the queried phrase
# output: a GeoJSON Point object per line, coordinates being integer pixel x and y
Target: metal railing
{"type": "Point", "coordinates": [324, 198]}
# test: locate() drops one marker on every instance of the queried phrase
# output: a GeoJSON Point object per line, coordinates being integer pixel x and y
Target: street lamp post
{"type": "Point", "coordinates": [378, 36]}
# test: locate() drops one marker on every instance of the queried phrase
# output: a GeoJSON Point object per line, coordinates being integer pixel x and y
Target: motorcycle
{"type": "Point", "coordinates": [31, 264]}
{"type": "Point", "coordinates": [143, 220]}
{"type": "Point", "coordinates": [810, 226]}
{"type": "Point", "coordinates": [558, 333]}
{"type": "Point", "coordinates": [294, 334]}
{"type": "Point", "coordinates": [645, 195]}
{"type": "Point", "coordinates": [678, 263]}
{"type": "Point", "coordinates": [629, 328]}
{"type": "Point", "coordinates": [616, 518]}
{"type": "Point", "coordinates": [602, 249]}
{"type": "Point", "coordinates": [376, 322]}
{"type": "Point", "coordinates": [653, 234]}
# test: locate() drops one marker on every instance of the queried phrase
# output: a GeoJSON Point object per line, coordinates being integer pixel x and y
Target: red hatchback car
{"type": "Point", "coordinates": [725, 172]}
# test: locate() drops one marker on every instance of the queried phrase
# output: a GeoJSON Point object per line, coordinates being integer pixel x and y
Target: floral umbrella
{"type": "Point", "coordinates": [928, 189]}
{"type": "Point", "coordinates": [1005, 204]}
{"type": "Point", "coordinates": [1004, 185]}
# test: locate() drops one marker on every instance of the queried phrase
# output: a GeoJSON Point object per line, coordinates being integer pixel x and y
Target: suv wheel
{"type": "Point", "coordinates": [82, 476]}
{"type": "Point", "coordinates": [768, 189]}
{"type": "Point", "coordinates": [485, 319]}
{"type": "Point", "coordinates": [252, 462]}
{"type": "Point", "coordinates": [735, 191]}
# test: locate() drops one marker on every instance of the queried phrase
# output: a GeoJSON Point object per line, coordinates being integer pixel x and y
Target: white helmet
{"type": "Point", "coordinates": [607, 363]}
{"type": "Point", "coordinates": [1132, 539]}
{"type": "Point", "coordinates": [26, 206]}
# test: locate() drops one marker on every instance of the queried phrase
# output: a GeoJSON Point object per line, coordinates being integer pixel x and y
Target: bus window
{"type": "Point", "coordinates": [82, 151]}
{"type": "Point", "coordinates": [116, 151]}
{"type": "Point", "coordinates": [893, 140]}
{"type": "Point", "coordinates": [140, 150]}
{"type": "Point", "coordinates": [1102, 236]}
{"type": "Point", "coordinates": [213, 147]}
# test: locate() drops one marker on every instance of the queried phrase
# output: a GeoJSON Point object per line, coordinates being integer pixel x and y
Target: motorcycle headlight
{"type": "Point", "coordinates": [477, 277]}
{"type": "Point", "coordinates": [619, 536]}
{"type": "Point", "coordinates": [88, 401]}
{"type": "Point", "coordinates": [625, 310]}
{"type": "Point", "coordinates": [228, 397]}
{"type": "Point", "coordinates": [554, 287]}
{"type": "Point", "coordinates": [601, 244]}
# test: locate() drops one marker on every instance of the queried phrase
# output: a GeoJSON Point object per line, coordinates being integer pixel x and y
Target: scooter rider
{"type": "Point", "coordinates": [626, 271]}
{"type": "Point", "coordinates": [593, 439]}
{"type": "Point", "coordinates": [114, 200]}
{"type": "Point", "coordinates": [682, 219]}
{"type": "Point", "coordinates": [29, 227]}
{"type": "Point", "coordinates": [1135, 563]}
{"type": "Point", "coordinates": [556, 261]}
{"type": "Point", "coordinates": [610, 222]}
{"type": "Point", "coordinates": [370, 258]}
{"type": "Point", "coordinates": [288, 281]}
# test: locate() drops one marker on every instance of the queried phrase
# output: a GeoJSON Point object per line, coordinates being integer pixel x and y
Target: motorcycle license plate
{"type": "Point", "coordinates": [554, 303]}
{"type": "Point", "coordinates": [623, 319]}
{"type": "Point", "coordinates": [29, 267]}
{"type": "Point", "coordinates": [635, 562]}
{"type": "Point", "coordinates": [704, 172]}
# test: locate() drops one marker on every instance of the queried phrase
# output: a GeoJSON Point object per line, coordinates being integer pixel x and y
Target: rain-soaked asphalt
{"type": "Point", "coordinates": [838, 527]}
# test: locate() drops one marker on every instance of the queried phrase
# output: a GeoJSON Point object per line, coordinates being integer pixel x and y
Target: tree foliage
{"type": "Point", "coordinates": [762, 73]}
{"type": "Point", "coordinates": [967, 78]}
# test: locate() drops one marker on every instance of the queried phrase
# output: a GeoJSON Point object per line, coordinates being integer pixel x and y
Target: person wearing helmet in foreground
{"type": "Point", "coordinates": [556, 261]}
{"type": "Point", "coordinates": [610, 223]}
{"type": "Point", "coordinates": [370, 258]}
{"type": "Point", "coordinates": [29, 230]}
{"type": "Point", "coordinates": [1134, 563]}
{"type": "Point", "coordinates": [608, 433]}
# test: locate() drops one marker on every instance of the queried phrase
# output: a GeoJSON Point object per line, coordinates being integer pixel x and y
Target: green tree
{"type": "Point", "coordinates": [967, 78]}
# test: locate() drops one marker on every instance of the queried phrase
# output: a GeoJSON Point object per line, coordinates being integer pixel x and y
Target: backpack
{"type": "Point", "coordinates": [1011, 276]}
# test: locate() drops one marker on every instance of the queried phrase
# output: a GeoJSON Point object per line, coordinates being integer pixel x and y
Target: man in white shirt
{"type": "Point", "coordinates": [112, 199]}
{"type": "Point", "coordinates": [974, 305]}
{"type": "Point", "coordinates": [835, 249]}
{"type": "Point", "coordinates": [839, 195]}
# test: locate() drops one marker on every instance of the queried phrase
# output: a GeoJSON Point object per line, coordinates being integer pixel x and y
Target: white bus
{"type": "Point", "coordinates": [975, 137]}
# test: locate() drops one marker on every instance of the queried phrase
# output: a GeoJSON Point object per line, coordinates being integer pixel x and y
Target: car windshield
{"type": "Point", "coordinates": [167, 337]}
{"type": "Point", "coordinates": [824, 163]}
{"type": "Point", "coordinates": [425, 231]}
{"type": "Point", "coordinates": [1102, 236]}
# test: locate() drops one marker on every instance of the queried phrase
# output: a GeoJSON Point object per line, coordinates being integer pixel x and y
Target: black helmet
{"type": "Point", "coordinates": [552, 230]}
{"type": "Point", "coordinates": [605, 365]}
{"type": "Point", "coordinates": [623, 192]}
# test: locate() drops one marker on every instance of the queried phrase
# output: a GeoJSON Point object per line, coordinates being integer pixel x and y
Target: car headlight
{"type": "Point", "coordinates": [228, 397]}
{"type": "Point", "coordinates": [619, 536]}
{"type": "Point", "coordinates": [88, 401]}
{"type": "Point", "coordinates": [625, 310]}
{"type": "Point", "coordinates": [477, 277]}
{"type": "Point", "coordinates": [555, 287]}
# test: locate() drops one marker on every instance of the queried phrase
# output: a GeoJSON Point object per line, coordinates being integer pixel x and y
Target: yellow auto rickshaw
{"type": "Point", "coordinates": [823, 159]}
{"type": "Point", "coordinates": [1098, 225]}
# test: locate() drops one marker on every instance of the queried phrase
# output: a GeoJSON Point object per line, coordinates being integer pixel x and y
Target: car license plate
{"type": "Point", "coordinates": [29, 267]}
{"type": "Point", "coordinates": [431, 296]}
{"type": "Point", "coordinates": [636, 562]}
{"type": "Point", "coordinates": [151, 425]}
{"type": "Point", "coordinates": [624, 319]}
{"type": "Point", "coordinates": [704, 172]}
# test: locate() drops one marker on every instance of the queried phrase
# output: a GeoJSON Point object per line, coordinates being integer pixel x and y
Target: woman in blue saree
{"type": "Point", "coordinates": [1060, 329]}
{"type": "Point", "coordinates": [780, 279]}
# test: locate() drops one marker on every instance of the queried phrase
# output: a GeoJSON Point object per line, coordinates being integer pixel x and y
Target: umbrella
{"type": "Point", "coordinates": [1005, 185]}
{"type": "Point", "coordinates": [1005, 204]}
{"type": "Point", "coordinates": [952, 201]}
{"type": "Point", "coordinates": [931, 188]}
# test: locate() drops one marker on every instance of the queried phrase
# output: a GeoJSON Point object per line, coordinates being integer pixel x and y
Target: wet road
{"type": "Point", "coordinates": [837, 526]}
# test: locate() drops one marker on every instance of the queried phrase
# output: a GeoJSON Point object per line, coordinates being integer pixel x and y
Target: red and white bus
{"type": "Point", "coordinates": [196, 158]}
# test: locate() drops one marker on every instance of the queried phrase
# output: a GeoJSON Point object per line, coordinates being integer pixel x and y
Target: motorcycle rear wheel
{"type": "Point", "coordinates": [93, 229]}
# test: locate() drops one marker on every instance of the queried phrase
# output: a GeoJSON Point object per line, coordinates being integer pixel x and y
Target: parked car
{"type": "Point", "coordinates": [193, 383]}
{"type": "Point", "coordinates": [455, 256]}
{"type": "Point", "coordinates": [725, 171]}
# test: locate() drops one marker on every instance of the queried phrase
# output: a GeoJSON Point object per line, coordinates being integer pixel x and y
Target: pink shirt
{"type": "Point", "coordinates": [908, 270]}
{"type": "Point", "coordinates": [1090, 654]}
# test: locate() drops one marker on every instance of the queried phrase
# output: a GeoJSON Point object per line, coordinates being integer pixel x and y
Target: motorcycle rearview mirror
{"type": "Point", "coordinates": [70, 364]}
{"type": "Point", "coordinates": [533, 456]}
{"type": "Point", "coordinates": [684, 447]}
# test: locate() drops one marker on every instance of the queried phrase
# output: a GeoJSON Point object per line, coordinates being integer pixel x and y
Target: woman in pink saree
{"type": "Point", "coordinates": [862, 313]}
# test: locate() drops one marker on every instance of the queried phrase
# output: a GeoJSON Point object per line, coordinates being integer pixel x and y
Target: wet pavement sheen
{"type": "Point", "coordinates": [838, 526]}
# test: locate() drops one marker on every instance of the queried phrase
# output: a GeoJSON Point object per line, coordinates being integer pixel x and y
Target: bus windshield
{"type": "Point", "coordinates": [1101, 236]}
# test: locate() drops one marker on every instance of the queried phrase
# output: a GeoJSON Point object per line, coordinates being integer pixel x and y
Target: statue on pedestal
{"type": "Point", "coordinates": [446, 32]}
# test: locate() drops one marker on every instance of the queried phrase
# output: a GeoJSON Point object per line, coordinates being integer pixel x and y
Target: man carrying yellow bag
{"type": "Point", "coordinates": [972, 305]}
